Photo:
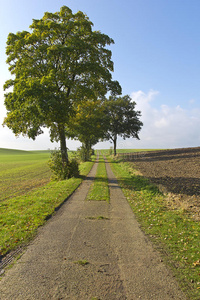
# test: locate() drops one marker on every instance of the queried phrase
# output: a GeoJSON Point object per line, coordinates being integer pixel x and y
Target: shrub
{"type": "Point", "coordinates": [85, 153]}
{"type": "Point", "coordinates": [60, 171]}
{"type": "Point", "coordinates": [111, 150]}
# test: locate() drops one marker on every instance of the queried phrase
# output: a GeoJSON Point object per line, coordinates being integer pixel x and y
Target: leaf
{"type": "Point", "coordinates": [196, 263]}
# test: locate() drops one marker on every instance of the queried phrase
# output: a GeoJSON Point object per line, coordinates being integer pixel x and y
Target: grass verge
{"type": "Point", "coordinates": [175, 234]}
{"type": "Point", "coordinates": [21, 216]}
{"type": "Point", "coordinates": [99, 190]}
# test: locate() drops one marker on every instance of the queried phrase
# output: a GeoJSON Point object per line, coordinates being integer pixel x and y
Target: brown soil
{"type": "Point", "coordinates": [177, 174]}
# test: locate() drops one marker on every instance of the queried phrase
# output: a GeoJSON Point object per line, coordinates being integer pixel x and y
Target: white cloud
{"type": "Point", "coordinates": [141, 98]}
{"type": "Point", "coordinates": [162, 122]}
{"type": "Point", "coordinates": [165, 126]}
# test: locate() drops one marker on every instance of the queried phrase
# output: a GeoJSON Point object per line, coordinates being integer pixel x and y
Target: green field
{"type": "Point", "coordinates": [22, 171]}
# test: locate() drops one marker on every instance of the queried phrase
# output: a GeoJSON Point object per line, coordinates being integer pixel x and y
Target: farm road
{"type": "Point", "coordinates": [121, 262]}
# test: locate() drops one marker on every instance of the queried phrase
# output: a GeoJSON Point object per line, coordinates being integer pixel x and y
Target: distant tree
{"type": "Point", "coordinates": [88, 125]}
{"type": "Point", "coordinates": [55, 66]}
{"type": "Point", "coordinates": [123, 119]}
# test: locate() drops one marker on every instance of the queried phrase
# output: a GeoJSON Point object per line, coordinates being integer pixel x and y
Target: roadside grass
{"type": "Point", "coordinates": [99, 190]}
{"type": "Point", "coordinates": [22, 215]}
{"type": "Point", "coordinates": [174, 233]}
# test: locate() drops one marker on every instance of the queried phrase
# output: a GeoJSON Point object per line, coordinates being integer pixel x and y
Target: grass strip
{"type": "Point", "coordinates": [99, 190]}
{"type": "Point", "coordinates": [173, 231]}
{"type": "Point", "coordinates": [21, 216]}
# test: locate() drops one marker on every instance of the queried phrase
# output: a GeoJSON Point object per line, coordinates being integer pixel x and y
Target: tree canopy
{"type": "Point", "coordinates": [89, 123]}
{"type": "Point", "coordinates": [55, 66]}
{"type": "Point", "coordinates": [123, 119]}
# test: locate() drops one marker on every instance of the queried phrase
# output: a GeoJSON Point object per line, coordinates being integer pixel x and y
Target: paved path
{"type": "Point", "coordinates": [122, 263]}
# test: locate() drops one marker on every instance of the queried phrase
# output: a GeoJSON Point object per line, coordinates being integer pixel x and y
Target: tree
{"type": "Point", "coordinates": [88, 124]}
{"type": "Point", "coordinates": [55, 66]}
{"type": "Point", "coordinates": [123, 119]}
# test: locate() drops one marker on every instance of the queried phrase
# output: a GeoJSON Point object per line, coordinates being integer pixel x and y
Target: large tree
{"type": "Point", "coordinates": [56, 65]}
{"type": "Point", "coordinates": [123, 119]}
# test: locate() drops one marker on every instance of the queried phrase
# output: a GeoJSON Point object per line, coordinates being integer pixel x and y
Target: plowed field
{"type": "Point", "coordinates": [176, 172]}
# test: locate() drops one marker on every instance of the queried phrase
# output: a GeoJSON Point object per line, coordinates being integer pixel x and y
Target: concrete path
{"type": "Point", "coordinates": [77, 255]}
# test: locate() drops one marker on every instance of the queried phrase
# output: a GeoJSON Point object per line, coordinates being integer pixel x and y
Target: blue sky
{"type": "Point", "coordinates": [156, 58]}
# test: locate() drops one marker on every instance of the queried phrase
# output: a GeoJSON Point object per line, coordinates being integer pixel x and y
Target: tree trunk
{"type": "Point", "coordinates": [115, 144]}
{"type": "Point", "coordinates": [87, 147]}
{"type": "Point", "coordinates": [63, 147]}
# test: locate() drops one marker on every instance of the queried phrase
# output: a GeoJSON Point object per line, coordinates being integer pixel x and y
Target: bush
{"type": "Point", "coordinates": [85, 154]}
{"type": "Point", "coordinates": [111, 150]}
{"type": "Point", "coordinates": [60, 171]}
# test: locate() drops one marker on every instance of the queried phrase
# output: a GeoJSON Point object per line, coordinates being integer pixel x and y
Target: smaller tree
{"type": "Point", "coordinates": [123, 119]}
{"type": "Point", "coordinates": [88, 124]}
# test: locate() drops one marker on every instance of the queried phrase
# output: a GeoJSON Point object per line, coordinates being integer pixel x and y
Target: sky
{"type": "Point", "coordinates": [156, 59]}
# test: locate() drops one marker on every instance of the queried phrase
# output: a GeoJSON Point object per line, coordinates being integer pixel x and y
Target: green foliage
{"type": "Point", "coordinates": [89, 123]}
{"type": "Point", "coordinates": [84, 153]}
{"type": "Point", "coordinates": [57, 65]}
{"type": "Point", "coordinates": [62, 171]}
{"type": "Point", "coordinates": [123, 119]}
{"type": "Point", "coordinates": [73, 168]}
{"type": "Point", "coordinates": [111, 151]}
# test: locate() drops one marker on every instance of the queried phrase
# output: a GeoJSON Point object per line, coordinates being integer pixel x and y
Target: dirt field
{"type": "Point", "coordinates": [176, 172]}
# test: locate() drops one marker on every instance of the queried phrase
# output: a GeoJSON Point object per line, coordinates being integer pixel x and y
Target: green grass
{"type": "Point", "coordinates": [21, 216]}
{"type": "Point", "coordinates": [22, 171]}
{"type": "Point", "coordinates": [99, 190]}
{"type": "Point", "coordinates": [173, 231]}
{"type": "Point", "coordinates": [83, 262]}
{"type": "Point", "coordinates": [5, 151]}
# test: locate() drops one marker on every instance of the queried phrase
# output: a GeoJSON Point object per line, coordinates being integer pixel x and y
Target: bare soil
{"type": "Point", "coordinates": [177, 174]}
